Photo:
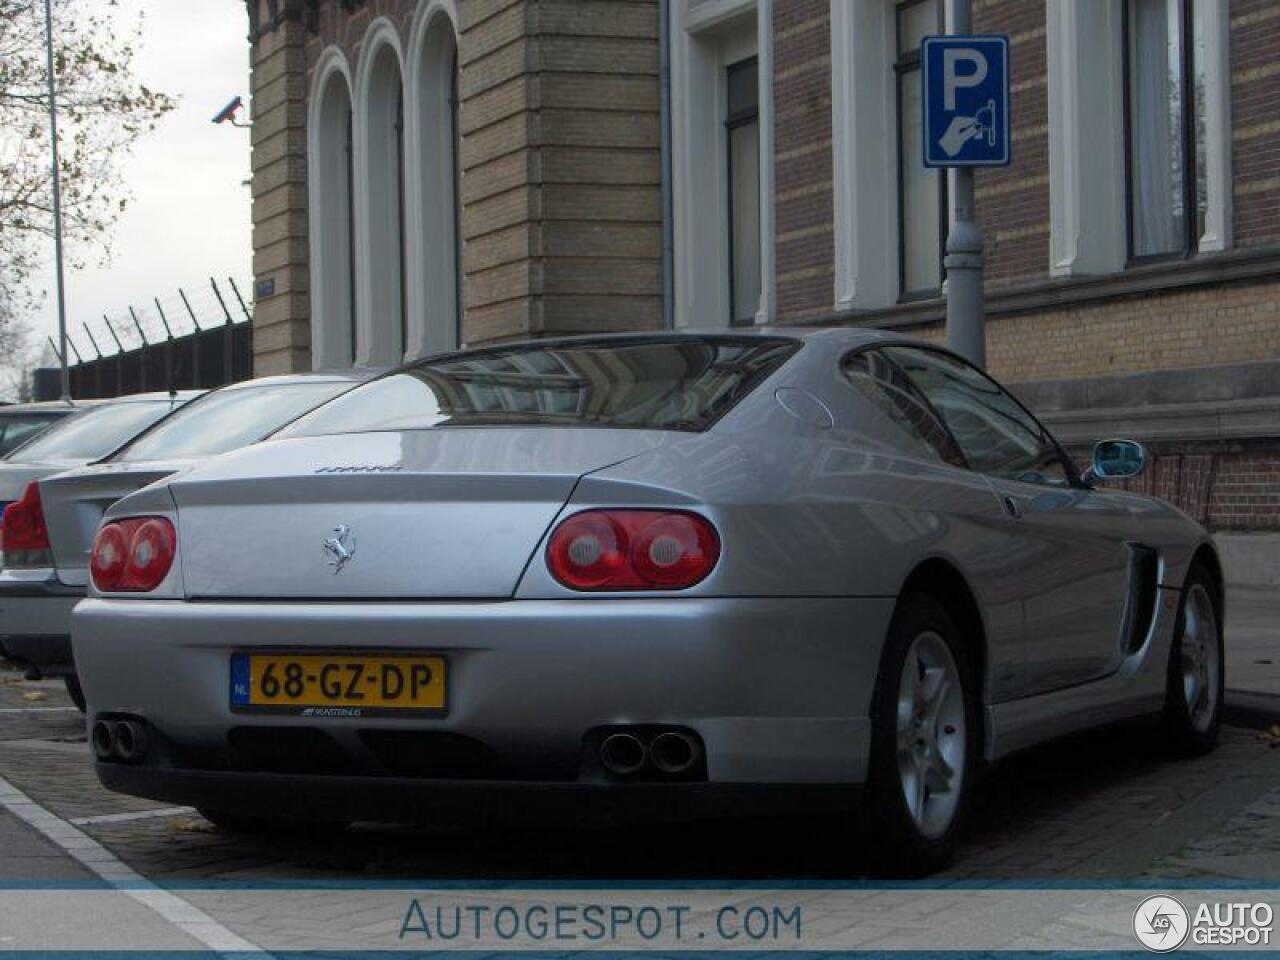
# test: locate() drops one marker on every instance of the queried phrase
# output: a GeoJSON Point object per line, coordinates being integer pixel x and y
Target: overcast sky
{"type": "Point", "coordinates": [190, 215]}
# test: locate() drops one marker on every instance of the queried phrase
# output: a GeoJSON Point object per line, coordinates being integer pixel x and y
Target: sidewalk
{"type": "Point", "coordinates": [1253, 654]}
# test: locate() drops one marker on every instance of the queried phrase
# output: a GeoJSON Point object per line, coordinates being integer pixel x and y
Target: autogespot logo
{"type": "Point", "coordinates": [1161, 924]}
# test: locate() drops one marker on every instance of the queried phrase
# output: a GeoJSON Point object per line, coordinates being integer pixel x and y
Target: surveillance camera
{"type": "Point", "coordinates": [229, 111]}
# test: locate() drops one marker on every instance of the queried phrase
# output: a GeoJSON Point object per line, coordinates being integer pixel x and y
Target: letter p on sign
{"type": "Point", "coordinates": [952, 78]}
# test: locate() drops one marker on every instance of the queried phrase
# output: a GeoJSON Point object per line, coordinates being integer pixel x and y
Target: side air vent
{"type": "Point", "coordinates": [1140, 607]}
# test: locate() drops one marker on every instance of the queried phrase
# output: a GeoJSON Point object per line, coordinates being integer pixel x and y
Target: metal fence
{"type": "Point", "coordinates": [192, 340]}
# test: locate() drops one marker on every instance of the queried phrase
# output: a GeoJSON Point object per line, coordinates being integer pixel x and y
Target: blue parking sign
{"type": "Point", "coordinates": [966, 101]}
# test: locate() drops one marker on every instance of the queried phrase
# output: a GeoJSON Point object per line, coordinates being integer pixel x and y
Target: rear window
{"type": "Point", "coordinates": [227, 419]}
{"type": "Point", "coordinates": [17, 429]}
{"type": "Point", "coordinates": [95, 433]}
{"type": "Point", "coordinates": [680, 383]}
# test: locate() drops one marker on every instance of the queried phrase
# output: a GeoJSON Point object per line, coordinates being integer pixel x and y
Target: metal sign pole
{"type": "Point", "coordinates": [57, 199]}
{"type": "Point", "coordinates": [966, 319]}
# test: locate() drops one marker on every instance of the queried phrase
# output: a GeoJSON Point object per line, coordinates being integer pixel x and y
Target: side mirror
{"type": "Point", "coordinates": [1116, 460]}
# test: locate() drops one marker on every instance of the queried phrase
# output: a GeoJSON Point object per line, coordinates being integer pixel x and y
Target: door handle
{"type": "Point", "coordinates": [1011, 507]}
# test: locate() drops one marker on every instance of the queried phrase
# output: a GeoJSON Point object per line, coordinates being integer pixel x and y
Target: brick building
{"type": "Point", "coordinates": [429, 172]}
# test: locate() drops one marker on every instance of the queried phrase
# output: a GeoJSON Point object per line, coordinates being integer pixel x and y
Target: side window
{"type": "Point", "coordinates": [997, 435]}
{"type": "Point", "coordinates": [879, 381]}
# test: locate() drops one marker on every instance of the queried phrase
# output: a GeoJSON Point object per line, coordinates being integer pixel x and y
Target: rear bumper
{"type": "Point", "coordinates": [778, 691]}
{"type": "Point", "coordinates": [404, 800]}
{"type": "Point", "coordinates": [35, 619]}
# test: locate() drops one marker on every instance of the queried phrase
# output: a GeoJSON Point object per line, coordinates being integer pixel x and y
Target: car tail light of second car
{"type": "Point", "coordinates": [24, 539]}
{"type": "Point", "coordinates": [633, 550]}
{"type": "Point", "coordinates": [133, 556]}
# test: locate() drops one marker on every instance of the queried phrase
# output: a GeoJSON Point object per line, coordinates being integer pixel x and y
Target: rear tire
{"type": "Point", "coordinates": [1194, 689]}
{"type": "Point", "coordinates": [924, 741]}
{"type": "Point", "coordinates": [75, 691]}
{"type": "Point", "coordinates": [269, 826]}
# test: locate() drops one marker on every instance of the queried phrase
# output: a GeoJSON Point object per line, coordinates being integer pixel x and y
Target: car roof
{"type": "Point", "coordinates": [845, 337]}
{"type": "Point", "coordinates": [183, 395]}
{"type": "Point", "coordinates": [355, 375]}
{"type": "Point", "coordinates": [45, 406]}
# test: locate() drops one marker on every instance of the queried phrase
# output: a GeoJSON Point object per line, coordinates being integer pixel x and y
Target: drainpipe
{"type": "Point", "coordinates": [668, 223]}
{"type": "Point", "coordinates": [768, 310]}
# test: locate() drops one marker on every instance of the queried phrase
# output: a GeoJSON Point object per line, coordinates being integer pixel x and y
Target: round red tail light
{"type": "Point", "coordinates": [110, 551]}
{"type": "Point", "coordinates": [133, 556]}
{"type": "Point", "coordinates": [675, 551]}
{"type": "Point", "coordinates": [587, 551]}
{"type": "Point", "coordinates": [633, 550]}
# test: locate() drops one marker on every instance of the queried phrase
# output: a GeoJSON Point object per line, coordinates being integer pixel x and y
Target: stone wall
{"type": "Point", "coordinates": [560, 178]}
{"type": "Point", "coordinates": [281, 330]}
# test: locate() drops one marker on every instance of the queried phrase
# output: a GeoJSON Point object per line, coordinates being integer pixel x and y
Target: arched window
{"type": "Point", "coordinates": [435, 286]}
{"type": "Point", "coordinates": [381, 266]}
{"type": "Point", "coordinates": [332, 215]}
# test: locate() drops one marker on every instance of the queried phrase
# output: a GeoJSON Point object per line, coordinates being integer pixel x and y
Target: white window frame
{"type": "Point", "coordinates": [329, 234]}
{"type": "Point", "coordinates": [864, 116]}
{"type": "Point", "coordinates": [431, 183]}
{"type": "Point", "coordinates": [377, 296]}
{"type": "Point", "coordinates": [1213, 19]}
{"type": "Point", "coordinates": [1087, 160]}
{"type": "Point", "coordinates": [706, 37]}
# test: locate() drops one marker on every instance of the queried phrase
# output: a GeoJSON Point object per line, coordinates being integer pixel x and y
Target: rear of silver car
{"type": "Point", "coordinates": [36, 602]}
{"type": "Point", "coordinates": [355, 561]}
{"type": "Point", "coordinates": [36, 598]}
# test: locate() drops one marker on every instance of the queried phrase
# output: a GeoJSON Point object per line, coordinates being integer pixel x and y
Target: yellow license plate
{"type": "Point", "coordinates": [350, 684]}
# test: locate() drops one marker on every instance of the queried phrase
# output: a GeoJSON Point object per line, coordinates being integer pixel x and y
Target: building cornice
{"type": "Point", "coordinates": [305, 11]}
{"type": "Point", "coordinates": [1255, 265]}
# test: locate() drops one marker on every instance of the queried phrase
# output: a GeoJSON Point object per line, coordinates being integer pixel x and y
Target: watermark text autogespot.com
{"type": "Point", "coordinates": [428, 922]}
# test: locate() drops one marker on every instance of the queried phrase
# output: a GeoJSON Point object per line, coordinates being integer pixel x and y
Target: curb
{"type": "Point", "coordinates": [1247, 708]}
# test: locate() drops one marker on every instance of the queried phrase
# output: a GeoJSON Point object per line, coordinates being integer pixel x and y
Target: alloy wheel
{"type": "Point", "coordinates": [1201, 667]}
{"type": "Point", "coordinates": [932, 738]}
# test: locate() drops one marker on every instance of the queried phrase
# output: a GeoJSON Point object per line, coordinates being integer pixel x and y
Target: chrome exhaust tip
{"type": "Point", "coordinates": [129, 740]}
{"type": "Point", "coordinates": [674, 752]}
{"type": "Point", "coordinates": [622, 754]}
{"type": "Point", "coordinates": [102, 736]}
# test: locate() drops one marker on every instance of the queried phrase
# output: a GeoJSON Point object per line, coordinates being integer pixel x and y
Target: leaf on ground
{"type": "Point", "coordinates": [191, 825]}
{"type": "Point", "coordinates": [35, 695]}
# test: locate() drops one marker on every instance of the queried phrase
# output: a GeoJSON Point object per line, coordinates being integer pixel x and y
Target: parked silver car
{"type": "Point", "coordinates": [21, 422]}
{"type": "Point", "coordinates": [689, 574]}
{"type": "Point", "coordinates": [98, 429]}
{"type": "Point", "coordinates": [29, 596]}
{"type": "Point", "coordinates": [70, 504]}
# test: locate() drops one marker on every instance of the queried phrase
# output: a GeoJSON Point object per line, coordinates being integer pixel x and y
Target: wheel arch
{"type": "Point", "coordinates": [1206, 556]}
{"type": "Point", "coordinates": [941, 580]}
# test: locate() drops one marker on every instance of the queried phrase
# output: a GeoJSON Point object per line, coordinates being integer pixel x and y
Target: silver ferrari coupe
{"type": "Point", "coordinates": [660, 574]}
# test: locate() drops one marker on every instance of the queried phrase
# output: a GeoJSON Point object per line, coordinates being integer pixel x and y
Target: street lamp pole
{"type": "Point", "coordinates": [57, 201]}
{"type": "Point", "coordinates": [966, 324]}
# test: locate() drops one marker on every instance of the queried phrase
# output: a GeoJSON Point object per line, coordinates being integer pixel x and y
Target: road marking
{"type": "Point", "coordinates": [81, 847]}
{"type": "Point", "coordinates": [39, 710]}
{"type": "Point", "coordinates": [132, 815]}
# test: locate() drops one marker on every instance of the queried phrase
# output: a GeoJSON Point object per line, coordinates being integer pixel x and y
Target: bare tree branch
{"type": "Point", "coordinates": [103, 111]}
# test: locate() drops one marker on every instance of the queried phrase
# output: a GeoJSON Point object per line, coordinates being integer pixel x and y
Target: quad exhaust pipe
{"type": "Point", "coordinates": [674, 752]}
{"type": "Point", "coordinates": [125, 740]}
{"type": "Point", "coordinates": [623, 754]}
{"type": "Point", "coordinates": [669, 752]}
